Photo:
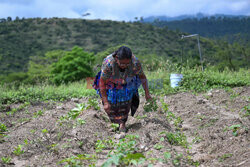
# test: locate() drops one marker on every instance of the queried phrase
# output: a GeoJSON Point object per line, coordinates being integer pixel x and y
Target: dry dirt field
{"type": "Point", "coordinates": [208, 129]}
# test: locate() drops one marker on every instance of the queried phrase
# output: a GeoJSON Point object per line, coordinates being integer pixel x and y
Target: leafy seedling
{"type": "Point", "coordinates": [18, 150]}
{"type": "Point", "coordinates": [6, 160]}
{"type": "Point", "coordinates": [235, 128]}
{"type": "Point", "coordinates": [150, 105]}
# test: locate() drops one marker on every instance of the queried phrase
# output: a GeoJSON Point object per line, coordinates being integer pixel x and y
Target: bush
{"type": "Point", "coordinates": [74, 66]}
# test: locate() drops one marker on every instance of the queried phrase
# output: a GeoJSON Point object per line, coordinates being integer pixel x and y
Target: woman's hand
{"type": "Point", "coordinates": [148, 97]}
{"type": "Point", "coordinates": [107, 107]}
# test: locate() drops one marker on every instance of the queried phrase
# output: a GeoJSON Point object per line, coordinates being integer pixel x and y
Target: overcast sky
{"type": "Point", "coordinates": [119, 9]}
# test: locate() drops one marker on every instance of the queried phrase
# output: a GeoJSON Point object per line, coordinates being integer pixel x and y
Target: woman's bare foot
{"type": "Point", "coordinates": [122, 127]}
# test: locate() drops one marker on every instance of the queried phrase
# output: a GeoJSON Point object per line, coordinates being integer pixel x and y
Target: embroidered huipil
{"type": "Point", "coordinates": [110, 71]}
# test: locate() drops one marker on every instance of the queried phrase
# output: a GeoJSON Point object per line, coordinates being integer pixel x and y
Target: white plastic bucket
{"type": "Point", "coordinates": [175, 79]}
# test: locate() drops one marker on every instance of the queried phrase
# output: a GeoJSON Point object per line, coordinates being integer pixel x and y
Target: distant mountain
{"type": "Point", "coordinates": [195, 16]}
{"type": "Point", "coordinates": [227, 27]}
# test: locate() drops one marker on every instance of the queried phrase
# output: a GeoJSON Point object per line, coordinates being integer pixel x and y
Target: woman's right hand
{"type": "Point", "coordinates": [107, 107]}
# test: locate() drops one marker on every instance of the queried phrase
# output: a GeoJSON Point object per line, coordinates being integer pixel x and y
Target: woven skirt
{"type": "Point", "coordinates": [119, 112]}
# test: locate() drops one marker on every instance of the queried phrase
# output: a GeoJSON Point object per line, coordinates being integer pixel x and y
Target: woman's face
{"type": "Point", "coordinates": [124, 63]}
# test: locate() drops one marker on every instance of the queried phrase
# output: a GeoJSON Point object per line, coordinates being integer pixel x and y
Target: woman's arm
{"type": "Point", "coordinates": [103, 91]}
{"type": "Point", "coordinates": [144, 82]}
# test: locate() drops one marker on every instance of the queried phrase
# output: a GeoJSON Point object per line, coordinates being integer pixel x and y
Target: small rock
{"type": "Point", "coordinates": [76, 100]}
{"type": "Point", "coordinates": [120, 136]}
{"type": "Point", "coordinates": [217, 91]}
{"type": "Point", "coordinates": [202, 101]}
{"type": "Point", "coordinates": [210, 94]}
{"type": "Point", "coordinates": [60, 108]}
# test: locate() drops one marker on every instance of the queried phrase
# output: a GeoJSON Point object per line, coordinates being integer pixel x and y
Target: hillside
{"type": "Point", "coordinates": [232, 29]}
{"type": "Point", "coordinates": [23, 38]}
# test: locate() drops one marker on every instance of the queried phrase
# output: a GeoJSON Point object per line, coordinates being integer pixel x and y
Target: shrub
{"type": "Point", "coordinates": [74, 66]}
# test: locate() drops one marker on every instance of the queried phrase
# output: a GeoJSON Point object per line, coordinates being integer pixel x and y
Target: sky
{"type": "Point", "coordinates": [120, 10]}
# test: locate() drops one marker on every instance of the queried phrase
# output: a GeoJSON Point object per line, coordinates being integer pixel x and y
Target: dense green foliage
{"type": "Point", "coordinates": [74, 66]}
{"type": "Point", "coordinates": [24, 41]}
{"type": "Point", "coordinates": [194, 80]}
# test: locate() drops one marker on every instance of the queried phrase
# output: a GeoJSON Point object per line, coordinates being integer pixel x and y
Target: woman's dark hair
{"type": "Point", "coordinates": [123, 53]}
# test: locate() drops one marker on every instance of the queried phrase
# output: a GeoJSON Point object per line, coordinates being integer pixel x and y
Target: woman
{"type": "Point", "coordinates": [120, 77]}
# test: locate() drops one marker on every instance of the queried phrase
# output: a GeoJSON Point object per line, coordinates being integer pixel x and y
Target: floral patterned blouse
{"type": "Point", "coordinates": [110, 69]}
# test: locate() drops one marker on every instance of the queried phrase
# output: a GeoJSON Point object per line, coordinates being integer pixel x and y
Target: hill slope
{"type": "Point", "coordinates": [233, 29]}
{"type": "Point", "coordinates": [21, 39]}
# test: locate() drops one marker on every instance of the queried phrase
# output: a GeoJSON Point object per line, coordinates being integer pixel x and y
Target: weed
{"type": "Point", "coordinates": [150, 105]}
{"type": "Point", "coordinates": [80, 121]}
{"type": "Point", "coordinates": [26, 141]}
{"type": "Point", "coordinates": [6, 160]}
{"type": "Point", "coordinates": [197, 139]}
{"type": "Point", "coordinates": [177, 160]}
{"type": "Point", "coordinates": [234, 128]}
{"type": "Point", "coordinates": [45, 131]}
{"type": "Point", "coordinates": [158, 146]}
{"type": "Point", "coordinates": [164, 106]}
{"type": "Point", "coordinates": [178, 121]}
{"type": "Point", "coordinates": [224, 157]}
{"type": "Point", "coordinates": [79, 160]}
{"type": "Point", "coordinates": [114, 126]}
{"type": "Point", "coordinates": [18, 150]}
{"type": "Point", "coordinates": [93, 103]}
{"type": "Point", "coordinates": [38, 113]}
{"type": "Point", "coordinates": [245, 111]}
{"type": "Point", "coordinates": [141, 117]}
{"type": "Point", "coordinates": [21, 120]}
{"type": "Point", "coordinates": [233, 95]}
{"type": "Point", "coordinates": [192, 162]}
{"type": "Point", "coordinates": [177, 138]}
{"type": "Point", "coordinates": [32, 131]}
{"type": "Point", "coordinates": [123, 152]}
{"type": "Point", "coordinates": [167, 155]}
{"type": "Point", "coordinates": [3, 128]}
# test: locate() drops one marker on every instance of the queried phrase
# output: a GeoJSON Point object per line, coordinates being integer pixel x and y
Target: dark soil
{"type": "Point", "coordinates": [206, 119]}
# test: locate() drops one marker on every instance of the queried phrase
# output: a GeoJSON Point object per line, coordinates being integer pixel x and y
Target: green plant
{"type": "Point", "coordinates": [197, 139]}
{"type": "Point", "coordinates": [235, 128]}
{"type": "Point", "coordinates": [167, 155]}
{"type": "Point", "coordinates": [114, 126]}
{"type": "Point", "coordinates": [79, 160]}
{"type": "Point", "coordinates": [18, 150]}
{"type": "Point", "coordinates": [44, 131]}
{"type": "Point", "coordinates": [177, 138]}
{"type": "Point", "coordinates": [93, 103]}
{"type": "Point", "coordinates": [178, 121]}
{"type": "Point", "coordinates": [80, 121]}
{"type": "Point", "coordinates": [158, 146]}
{"type": "Point", "coordinates": [75, 112]}
{"type": "Point", "coordinates": [3, 128]}
{"type": "Point", "coordinates": [73, 66]}
{"type": "Point", "coordinates": [164, 106]}
{"type": "Point", "coordinates": [6, 160]}
{"type": "Point", "coordinates": [150, 105]}
{"type": "Point", "coordinates": [177, 160]}
{"type": "Point", "coordinates": [38, 113]}
{"type": "Point", "coordinates": [224, 156]}
{"type": "Point", "coordinates": [123, 152]}
{"type": "Point", "coordinates": [245, 111]}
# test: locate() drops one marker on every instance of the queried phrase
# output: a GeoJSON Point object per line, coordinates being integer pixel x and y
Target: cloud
{"type": "Point", "coordinates": [119, 9]}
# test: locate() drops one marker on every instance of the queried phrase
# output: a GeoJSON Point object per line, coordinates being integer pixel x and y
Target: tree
{"type": "Point", "coordinates": [74, 66]}
{"type": "Point", "coordinates": [40, 67]}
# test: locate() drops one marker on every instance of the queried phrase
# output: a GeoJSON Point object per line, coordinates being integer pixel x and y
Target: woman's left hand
{"type": "Point", "coordinates": [148, 97]}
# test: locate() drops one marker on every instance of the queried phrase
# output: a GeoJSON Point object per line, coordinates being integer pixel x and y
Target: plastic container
{"type": "Point", "coordinates": [175, 79]}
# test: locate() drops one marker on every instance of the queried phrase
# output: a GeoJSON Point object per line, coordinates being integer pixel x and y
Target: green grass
{"type": "Point", "coordinates": [196, 80]}
{"type": "Point", "coordinates": [43, 92]}
{"type": "Point", "coordinates": [159, 83]}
